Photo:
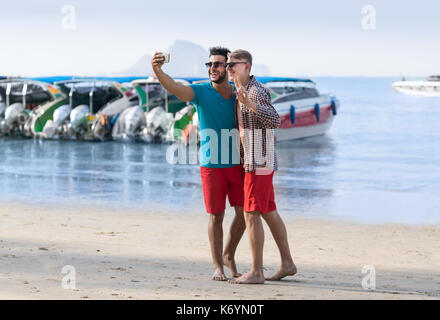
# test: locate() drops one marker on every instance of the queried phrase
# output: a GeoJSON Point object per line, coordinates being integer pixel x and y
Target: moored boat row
{"type": "Point", "coordinates": [127, 109]}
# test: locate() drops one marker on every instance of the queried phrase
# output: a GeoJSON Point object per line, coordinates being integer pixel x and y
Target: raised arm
{"type": "Point", "coordinates": [184, 93]}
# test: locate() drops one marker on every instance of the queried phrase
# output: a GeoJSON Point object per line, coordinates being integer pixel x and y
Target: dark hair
{"type": "Point", "coordinates": [219, 51]}
{"type": "Point", "coordinates": [241, 55]}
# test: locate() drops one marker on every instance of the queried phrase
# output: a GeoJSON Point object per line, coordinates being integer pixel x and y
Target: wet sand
{"type": "Point", "coordinates": [149, 254]}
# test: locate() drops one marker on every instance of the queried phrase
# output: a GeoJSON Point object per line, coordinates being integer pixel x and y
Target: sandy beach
{"type": "Point", "coordinates": [148, 254]}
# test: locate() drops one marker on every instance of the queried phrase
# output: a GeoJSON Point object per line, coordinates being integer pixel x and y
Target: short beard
{"type": "Point", "coordinates": [220, 79]}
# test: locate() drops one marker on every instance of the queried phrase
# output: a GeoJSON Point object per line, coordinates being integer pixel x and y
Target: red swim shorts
{"type": "Point", "coordinates": [217, 183]}
{"type": "Point", "coordinates": [258, 192]}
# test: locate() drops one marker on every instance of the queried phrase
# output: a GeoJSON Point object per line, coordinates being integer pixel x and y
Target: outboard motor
{"type": "Point", "coordinates": [78, 116]}
{"type": "Point", "coordinates": [129, 124]}
{"type": "Point", "coordinates": [10, 125]}
{"type": "Point", "coordinates": [61, 114]}
{"type": "Point", "coordinates": [52, 127]}
{"type": "Point", "coordinates": [99, 127]}
{"type": "Point", "coordinates": [78, 122]}
{"type": "Point", "coordinates": [13, 112]}
{"type": "Point", "coordinates": [102, 126]}
{"type": "Point", "coordinates": [134, 118]}
{"type": "Point", "coordinates": [159, 123]}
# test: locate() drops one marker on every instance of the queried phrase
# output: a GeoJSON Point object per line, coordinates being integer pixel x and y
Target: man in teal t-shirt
{"type": "Point", "coordinates": [216, 114]}
{"type": "Point", "coordinates": [220, 169]}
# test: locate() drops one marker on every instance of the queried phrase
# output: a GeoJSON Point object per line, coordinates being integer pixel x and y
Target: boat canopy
{"type": "Point", "coordinates": [103, 92]}
{"type": "Point", "coordinates": [155, 92]}
{"type": "Point", "coordinates": [115, 79]}
{"type": "Point", "coordinates": [282, 79]}
{"type": "Point", "coordinates": [36, 93]}
{"type": "Point", "coordinates": [66, 78]}
{"type": "Point", "coordinates": [189, 79]}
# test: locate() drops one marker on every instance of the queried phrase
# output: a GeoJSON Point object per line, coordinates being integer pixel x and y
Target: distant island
{"type": "Point", "coordinates": [187, 60]}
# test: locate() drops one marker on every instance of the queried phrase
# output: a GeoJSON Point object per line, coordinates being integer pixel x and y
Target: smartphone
{"type": "Point", "coordinates": [167, 57]}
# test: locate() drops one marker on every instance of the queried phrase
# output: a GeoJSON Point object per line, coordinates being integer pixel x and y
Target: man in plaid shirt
{"type": "Point", "coordinates": [257, 148]}
{"type": "Point", "coordinates": [256, 120]}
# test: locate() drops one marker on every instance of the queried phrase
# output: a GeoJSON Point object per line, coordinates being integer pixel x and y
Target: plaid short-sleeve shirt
{"type": "Point", "coordinates": [257, 129]}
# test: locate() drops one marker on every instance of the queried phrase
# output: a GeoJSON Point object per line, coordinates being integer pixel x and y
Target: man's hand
{"type": "Point", "coordinates": [242, 95]}
{"type": "Point", "coordinates": [183, 92]}
{"type": "Point", "coordinates": [157, 61]}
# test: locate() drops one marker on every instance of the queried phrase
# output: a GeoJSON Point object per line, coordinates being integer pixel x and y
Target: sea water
{"type": "Point", "coordinates": [379, 163]}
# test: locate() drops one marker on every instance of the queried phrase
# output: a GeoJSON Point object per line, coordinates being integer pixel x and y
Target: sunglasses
{"type": "Point", "coordinates": [216, 64]}
{"type": "Point", "coordinates": [232, 64]}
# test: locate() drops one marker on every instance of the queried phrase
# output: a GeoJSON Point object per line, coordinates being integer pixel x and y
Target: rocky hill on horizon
{"type": "Point", "coordinates": [187, 59]}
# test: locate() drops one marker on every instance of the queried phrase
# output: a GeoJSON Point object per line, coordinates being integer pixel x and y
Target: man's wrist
{"type": "Point", "coordinates": [157, 70]}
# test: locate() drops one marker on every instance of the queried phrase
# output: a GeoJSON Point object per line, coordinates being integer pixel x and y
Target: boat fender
{"type": "Point", "coordinates": [292, 114]}
{"type": "Point", "coordinates": [317, 112]}
{"type": "Point", "coordinates": [333, 107]}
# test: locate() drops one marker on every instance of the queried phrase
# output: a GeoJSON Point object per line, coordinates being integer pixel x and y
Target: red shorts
{"type": "Point", "coordinates": [219, 182]}
{"type": "Point", "coordinates": [258, 193]}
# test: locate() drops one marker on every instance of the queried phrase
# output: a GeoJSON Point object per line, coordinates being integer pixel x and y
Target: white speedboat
{"type": "Point", "coordinates": [303, 110]}
{"type": "Point", "coordinates": [19, 100]}
{"type": "Point", "coordinates": [429, 87]}
{"type": "Point", "coordinates": [90, 105]}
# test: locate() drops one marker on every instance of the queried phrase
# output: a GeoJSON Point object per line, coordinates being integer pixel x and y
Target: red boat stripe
{"type": "Point", "coordinates": [306, 118]}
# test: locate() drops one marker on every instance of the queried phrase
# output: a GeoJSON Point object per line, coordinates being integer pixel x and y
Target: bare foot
{"type": "Point", "coordinates": [219, 275]}
{"type": "Point", "coordinates": [230, 263]}
{"type": "Point", "coordinates": [283, 272]}
{"type": "Point", "coordinates": [249, 278]}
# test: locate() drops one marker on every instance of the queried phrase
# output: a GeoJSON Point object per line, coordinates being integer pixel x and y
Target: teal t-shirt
{"type": "Point", "coordinates": [218, 131]}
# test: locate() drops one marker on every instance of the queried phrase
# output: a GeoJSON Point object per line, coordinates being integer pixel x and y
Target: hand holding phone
{"type": "Point", "coordinates": [158, 60]}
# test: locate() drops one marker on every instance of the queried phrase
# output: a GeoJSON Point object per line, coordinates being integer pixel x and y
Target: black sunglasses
{"type": "Point", "coordinates": [216, 64]}
{"type": "Point", "coordinates": [232, 64]}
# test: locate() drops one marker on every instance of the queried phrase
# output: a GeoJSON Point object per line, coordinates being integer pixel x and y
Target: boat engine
{"type": "Point", "coordinates": [159, 123]}
{"type": "Point", "coordinates": [78, 117]}
{"type": "Point", "coordinates": [15, 118]}
{"type": "Point", "coordinates": [129, 125]}
{"type": "Point", "coordinates": [53, 128]}
{"type": "Point", "coordinates": [61, 114]}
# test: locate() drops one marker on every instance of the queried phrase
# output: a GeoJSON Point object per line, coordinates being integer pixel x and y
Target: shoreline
{"type": "Point", "coordinates": [199, 211]}
{"type": "Point", "coordinates": [145, 254]}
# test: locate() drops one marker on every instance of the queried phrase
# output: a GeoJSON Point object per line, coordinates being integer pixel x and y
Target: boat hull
{"type": "Point", "coordinates": [307, 121]}
{"type": "Point", "coordinates": [286, 134]}
{"type": "Point", "coordinates": [419, 88]}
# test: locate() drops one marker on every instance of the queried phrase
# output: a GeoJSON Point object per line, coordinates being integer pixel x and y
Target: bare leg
{"type": "Point", "coordinates": [255, 229]}
{"type": "Point", "coordinates": [215, 233]}
{"type": "Point", "coordinates": [278, 229]}
{"type": "Point", "coordinates": [236, 232]}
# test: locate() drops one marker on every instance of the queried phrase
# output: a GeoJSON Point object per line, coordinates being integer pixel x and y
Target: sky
{"type": "Point", "coordinates": [293, 38]}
